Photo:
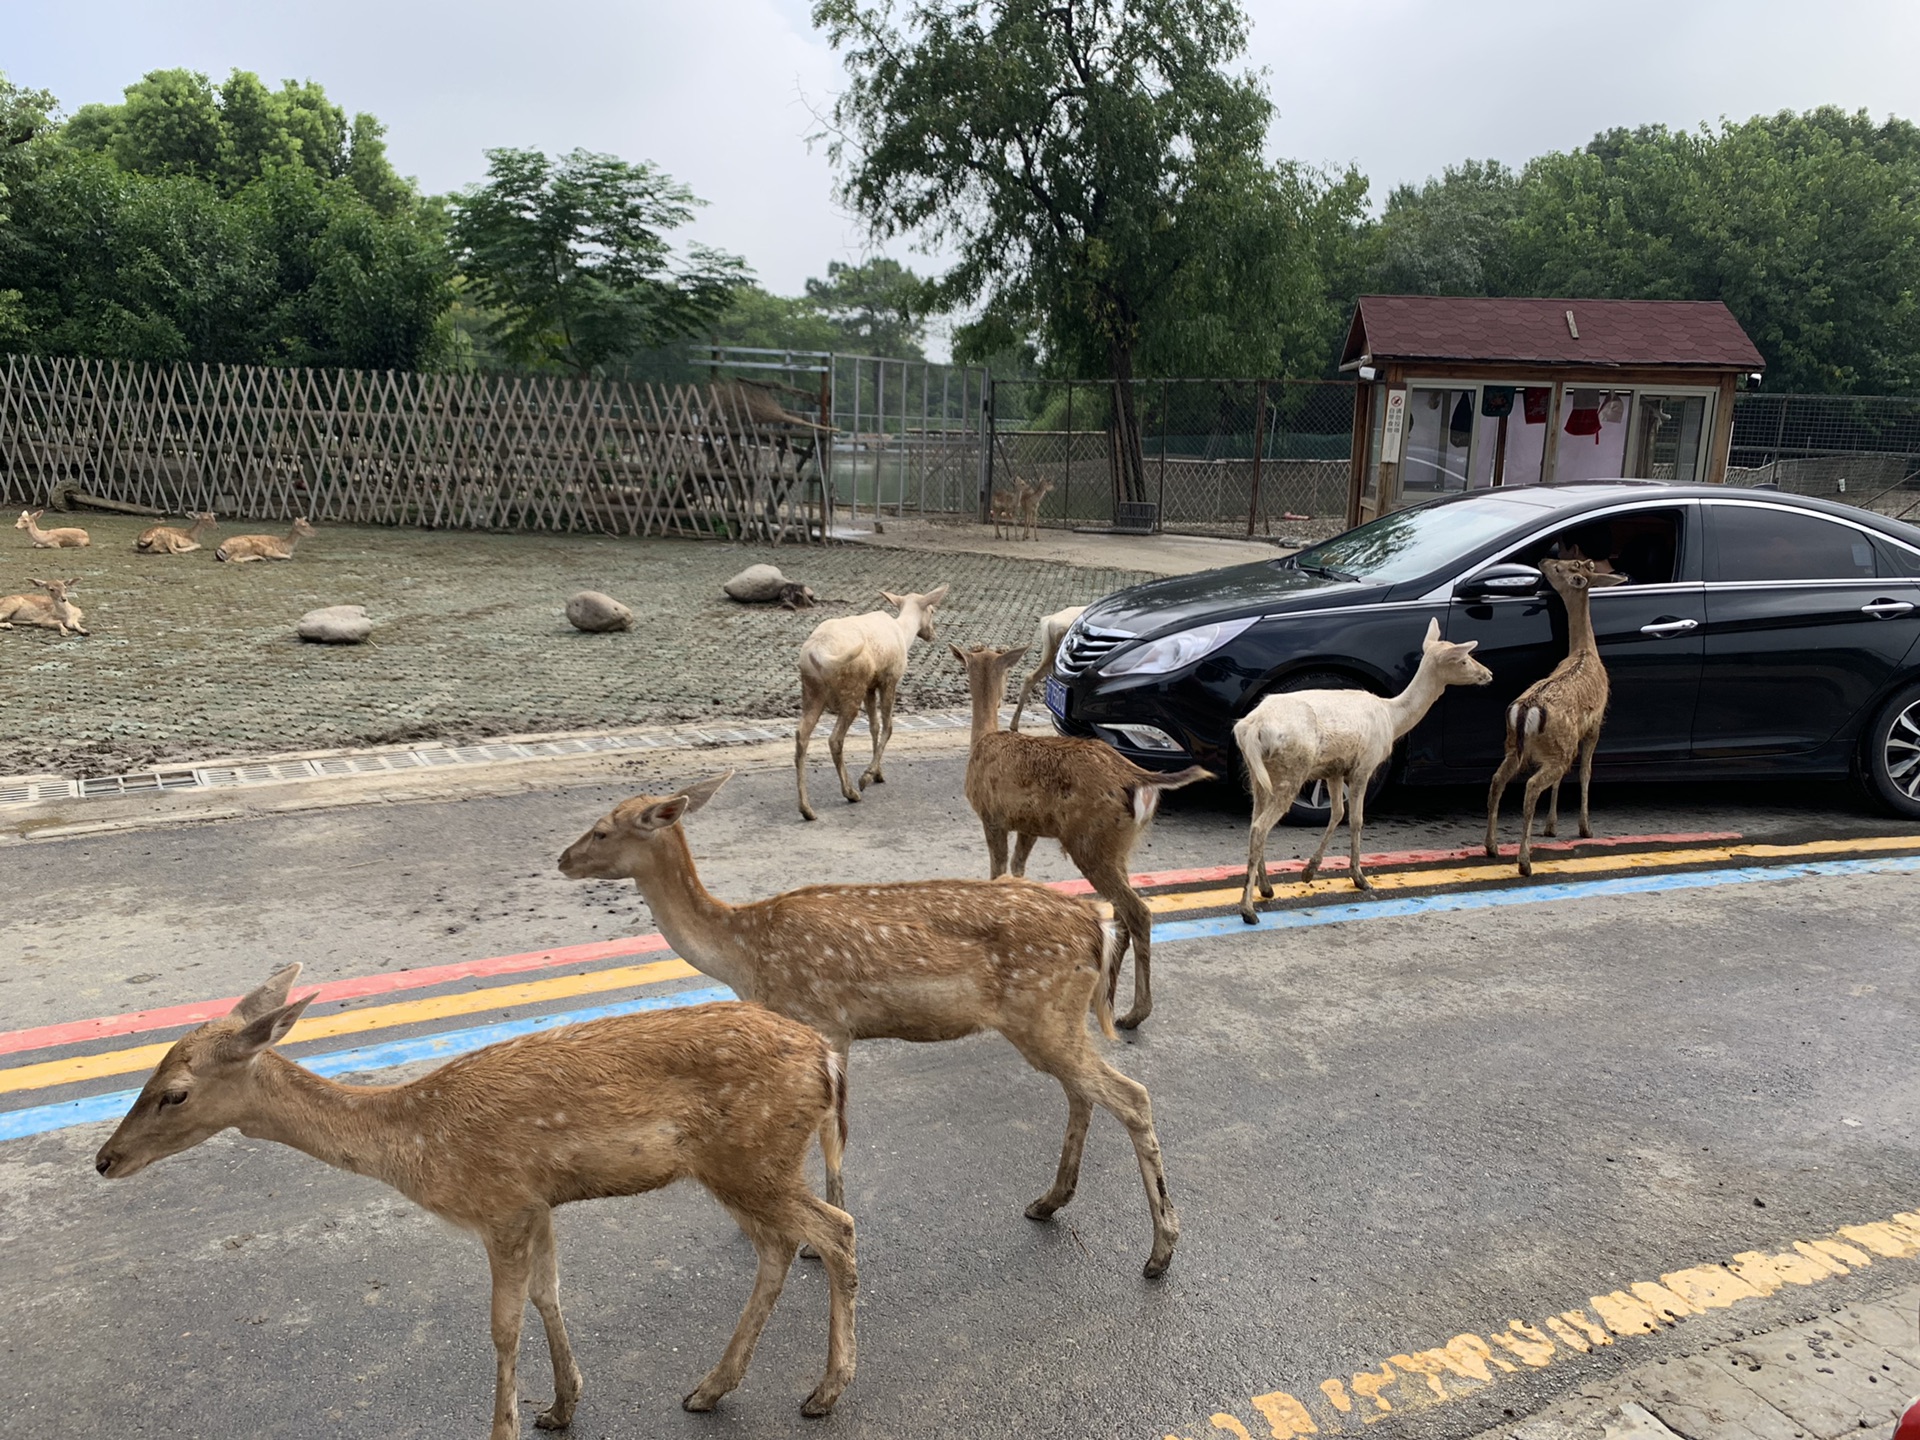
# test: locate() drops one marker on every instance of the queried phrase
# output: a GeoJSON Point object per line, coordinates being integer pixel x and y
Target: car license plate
{"type": "Point", "coordinates": [1056, 697]}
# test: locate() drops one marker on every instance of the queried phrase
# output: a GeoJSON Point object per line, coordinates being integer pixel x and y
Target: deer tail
{"type": "Point", "coordinates": [837, 1093]}
{"type": "Point", "coordinates": [1109, 977]}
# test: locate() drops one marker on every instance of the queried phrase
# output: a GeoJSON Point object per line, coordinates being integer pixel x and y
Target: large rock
{"type": "Point", "coordinates": [762, 584]}
{"type": "Point", "coordinates": [335, 625]}
{"type": "Point", "coordinates": [596, 613]}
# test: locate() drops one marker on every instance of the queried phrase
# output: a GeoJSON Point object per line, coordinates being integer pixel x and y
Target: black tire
{"type": "Point", "coordinates": [1311, 808]}
{"type": "Point", "coordinates": [1890, 754]}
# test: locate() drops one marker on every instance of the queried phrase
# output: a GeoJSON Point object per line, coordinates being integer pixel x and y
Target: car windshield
{"type": "Point", "coordinates": [1411, 543]}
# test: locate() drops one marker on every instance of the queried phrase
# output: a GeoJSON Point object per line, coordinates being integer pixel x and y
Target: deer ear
{"type": "Point", "coordinates": [1010, 658]}
{"type": "Point", "coordinates": [701, 791]}
{"type": "Point", "coordinates": [933, 598]}
{"type": "Point", "coordinates": [268, 1029]}
{"type": "Point", "coordinates": [958, 653]}
{"type": "Point", "coordinates": [662, 814]}
{"type": "Point", "coordinates": [270, 995]}
{"type": "Point", "coordinates": [1465, 647]}
{"type": "Point", "coordinates": [892, 599]}
{"type": "Point", "coordinates": [1433, 631]}
{"type": "Point", "coordinates": [1606, 578]}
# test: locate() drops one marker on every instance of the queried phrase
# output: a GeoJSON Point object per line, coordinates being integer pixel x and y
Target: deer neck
{"type": "Point", "coordinates": [293, 539]}
{"type": "Point", "coordinates": [1580, 624]}
{"type": "Point", "coordinates": [1410, 706]}
{"type": "Point", "coordinates": [347, 1126]}
{"type": "Point", "coordinates": [701, 927]}
{"type": "Point", "coordinates": [909, 620]}
{"type": "Point", "coordinates": [35, 533]}
{"type": "Point", "coordinates": [193, 531]}
{"type": "Point", "coordinates": [986, 707]}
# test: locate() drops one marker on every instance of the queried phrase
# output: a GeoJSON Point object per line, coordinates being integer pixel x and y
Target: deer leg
{"type": "Point", "coordinates": [1066, 1179]}
{"type": "Point", "coordinates": [829, 1232]}
{"type": "Point", "coordinates": [1026, 692]}
{"type": "Point", "coordinates": [1110, 881]}
{"type": "Point", "coordinates": [1266, 814]}
{"type": "Point", "coordinates": [871, 775]}
{"type": "Point", "coordinates": [1356, 825]}
{"type": "Point", "coordinates": [882, 737]}
{"type": "Point", "coordinates": [996, 849]}
{"type": "Point", "coordinates": [1587, 747]}
{"type": "Point", "coordinates": [1336, 811]}
{"type": "Point", "coordinates": [1553, 810]}
{"type": "Point", "coordinates": [543, 1287]}
{"type": "Point", "coordinates": [812, 706]}
{"type": "Point", "coordinates": [509, 1257]}
{"type": "Point", "coordinates": [1542, 779]}
{"type": "Point", "coordinates": [837, 746]}
{"type": "Point", "coordinates": [1022, 848]}
{"type": "Point", "coordinates": [1509, 768]}
{"type": "Point", "coordinates": [776, 1244]}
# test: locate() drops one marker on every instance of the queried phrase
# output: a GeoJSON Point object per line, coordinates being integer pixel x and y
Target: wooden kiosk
{"type": "Point", "coordinates": [1469, 393]}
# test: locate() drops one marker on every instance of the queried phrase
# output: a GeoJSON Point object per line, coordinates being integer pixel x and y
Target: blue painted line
{"type": "Point", "coordinates": [19, 1124]}
{"type": "Point", "coordinates": [1216, 925]}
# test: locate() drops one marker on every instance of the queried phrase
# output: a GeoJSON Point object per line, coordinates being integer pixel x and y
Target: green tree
{"type": "Point", "coordinates": [573, 258]}
{"type": "Point", "coordinates": [1058, 150]}
{"type": "Point", "coordinates": [1450, 236]}
{"type": "Point", "coordinates": [878, 307]}
{"type": "Point", "coordinates": [772, 322]}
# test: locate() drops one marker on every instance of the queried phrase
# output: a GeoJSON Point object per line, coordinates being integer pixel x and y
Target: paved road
{"type": "Point", "coordinates": [1386, 1126]}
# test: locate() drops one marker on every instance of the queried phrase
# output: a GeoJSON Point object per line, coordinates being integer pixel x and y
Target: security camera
{"type": "Point", "coordinates": [1368, 372]}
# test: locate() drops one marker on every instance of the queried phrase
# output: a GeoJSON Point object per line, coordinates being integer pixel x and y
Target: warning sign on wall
{"type": "Point", "coordinates": [1394, 428]}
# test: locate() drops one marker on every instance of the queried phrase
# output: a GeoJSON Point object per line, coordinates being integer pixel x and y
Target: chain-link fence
{"type": "Point", "coordinates": [1221, 457]}
{"type": "Point", "coordinates": [1857, 449]}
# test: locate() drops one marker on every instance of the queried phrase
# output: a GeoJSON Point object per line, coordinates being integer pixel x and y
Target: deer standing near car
{"type": "Point", "coordinates": [242, 548]}
{"type": "Point", "coordinates": [916, 960]}
{"type": "Point", "coordinates": [1093, 800]}
{"type": "Point", "coordinates": [728, 1095]}
{"type": "Point", "coordinates": [67, 537]}
{"type": "Point", "coordinates": [1557, 719]}
{"type": "Point", "coordinates": [1342, 737]}
{"type": "Point", "coordinates": [1047, 636]}
{"type": "Point", "coordinates": [171, 539]}
{"type": "Point", "coordinates": [852, 661]}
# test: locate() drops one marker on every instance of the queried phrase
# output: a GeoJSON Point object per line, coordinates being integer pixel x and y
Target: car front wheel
{"type": "Point", "coordinates": [1314, 803]}
{"type": "Point", "coordinates": [1891, 762]}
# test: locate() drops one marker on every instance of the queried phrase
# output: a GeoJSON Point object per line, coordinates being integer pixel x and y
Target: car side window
{"type": "Point", "coordinates": [1756, 543]}
{"type": "Point", "coordinates": [1642, 545]}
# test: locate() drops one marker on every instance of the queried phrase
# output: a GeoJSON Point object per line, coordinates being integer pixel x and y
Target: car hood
{"type": "Point", "coordinates": [1265, 587]}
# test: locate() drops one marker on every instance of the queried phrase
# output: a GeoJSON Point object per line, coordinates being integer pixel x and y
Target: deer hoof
{"type": "Point", "coordinates": [1361, 882]}
{"type": "Point", "coordinates": [701, 1401]}
{"type": "Point", "coordinates": [1246, 914]}
{"type": "Point", "coordinates": [817, 1406]}
{"type": "Point", "coordinates": [1156, 1265]}
{"type": "Point", "coordinates": [1526, 868]}
{"type": "Point", "coordinates": [1042, 1209]}
{"type": "Point", "coordinates": [1131, 1020]}
{"type": "Point", "coordinates": [553, 1418]}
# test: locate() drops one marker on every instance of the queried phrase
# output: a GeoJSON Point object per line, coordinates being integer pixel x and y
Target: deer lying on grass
{"type": "Point", "coordinates": [1342, 737]}
{"type": "Point", "coordinates": [171, 539]}
{"type": "Point", "coordinates": [1030, 498]}
{"type": "Point", "coordinates": [1093, 800]}
{"type": "Point", "coordinates": [1559, 717]}
{"type": "Point", "coordinates": [920, 960]}
{"type": "Point", "coordinates": [51, 611]}
{"type": "Point", "coordinates": [1047, 636]}
{"type": "Point", "coordinates": [851, 661]}
{"type": "Point", "coordinates": [68, 537]}
{"type": "Point", "coordinates": [729, 1095]}
{"type": "Point", "coordinates": [242, 548]}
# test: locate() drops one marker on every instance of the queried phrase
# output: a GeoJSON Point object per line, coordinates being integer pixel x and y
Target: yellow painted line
{"type": "Point", "coordinates": [355, 1022]}
{"type": "Point", "coordinates": [1503, 869]}
{"type": "Point", "coordinates": [1468, 1364]}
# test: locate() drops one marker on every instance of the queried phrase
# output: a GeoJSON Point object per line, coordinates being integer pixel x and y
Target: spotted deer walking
{"type": "Point", "coordinates": [728, 1095]}
{"type": "Point", "coordinates": [920, 960]}
{"type": "Point", "coordinates": [1557, 719]}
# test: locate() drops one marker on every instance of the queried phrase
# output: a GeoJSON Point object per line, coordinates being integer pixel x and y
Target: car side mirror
{"type": "Point", "coordinates": [1505, 581]}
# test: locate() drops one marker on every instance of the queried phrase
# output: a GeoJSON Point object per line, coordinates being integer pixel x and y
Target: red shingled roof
{"type": "Point", "coordinates": [1612, 332]}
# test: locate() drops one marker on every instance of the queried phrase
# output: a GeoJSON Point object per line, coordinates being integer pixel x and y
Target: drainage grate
{"type": "Point", "coordinates": [34, 790]}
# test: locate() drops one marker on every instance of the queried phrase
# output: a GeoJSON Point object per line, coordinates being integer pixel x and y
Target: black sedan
{"type": "Point", "coordinates": [1758, 635]}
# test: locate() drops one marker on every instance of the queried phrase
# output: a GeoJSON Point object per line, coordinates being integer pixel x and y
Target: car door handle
{"type": "Point", "coordinates": [1886, 609]}
{"type": "Point", "coordinates": [1669, 627]}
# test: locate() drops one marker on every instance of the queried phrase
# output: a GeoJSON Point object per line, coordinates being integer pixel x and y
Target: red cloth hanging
{"type": "Point", "coordinates": [1534, 401]}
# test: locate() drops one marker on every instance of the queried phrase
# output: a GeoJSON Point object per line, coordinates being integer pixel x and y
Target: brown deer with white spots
{"type": "Point", "coordinates": [919, 960]}
{"type": "Point", "coordinates": [1092, 799]}
{"type": "Point", "coordinates": [729, 1095]}
{"type": "Point", "coordinates": [852, 661]}
{"type": "Point", "coordinates": [51, 611]}
{"type": "Point", "coordinates": [171, 539]}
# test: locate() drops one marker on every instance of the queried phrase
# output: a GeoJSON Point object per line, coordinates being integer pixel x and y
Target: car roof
{"type": "Point", "coordinates": [1592, 494]}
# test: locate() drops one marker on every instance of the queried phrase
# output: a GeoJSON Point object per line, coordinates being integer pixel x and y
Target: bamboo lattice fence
{"type": "Point", "coordinates": [456, 451]}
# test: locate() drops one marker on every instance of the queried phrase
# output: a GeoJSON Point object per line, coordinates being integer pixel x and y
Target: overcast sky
{"type": "Point", "coordinates": [720, 92]}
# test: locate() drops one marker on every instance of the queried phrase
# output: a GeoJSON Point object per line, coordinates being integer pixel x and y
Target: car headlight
{"type": "Point", "coordinates": [1176, 651]}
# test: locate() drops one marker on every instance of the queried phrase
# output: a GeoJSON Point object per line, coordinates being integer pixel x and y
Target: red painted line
{"type": "Point", "coordinates": [1336, 863]}
{"type": "Point", "coordinates": [72, 1032]}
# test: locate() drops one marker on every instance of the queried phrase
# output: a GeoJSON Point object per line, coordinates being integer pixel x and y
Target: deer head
{"type": "Point", "coordinates": [926, 604]}
{"type": "Point", "coordinates": [27, 517]}
{"type": "Point", "coordinates": [203, 1084]}
{"type": "Point", "coordinates": [301, 527]}
{"type": "Point", "coordinates": [1452, 661]}
{"type": "Point", "coordinates": [1571, 577]}
{"type": "Point", "coordinates": [627, 842]}
{"type": "Point", "coordinates": [987, 668]}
